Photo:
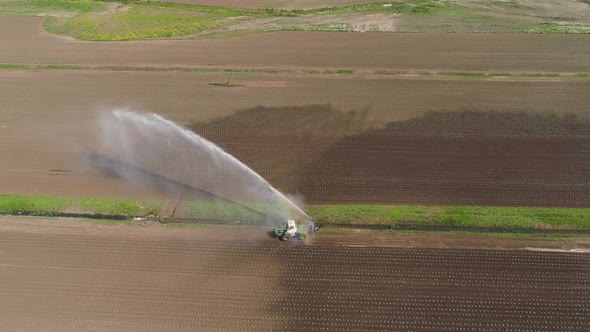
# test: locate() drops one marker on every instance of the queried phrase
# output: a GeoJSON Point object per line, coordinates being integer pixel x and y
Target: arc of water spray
{"type": "Point", "coordinates": [194, 138]}
{"type": "Point", "coordinates": [280, 194]}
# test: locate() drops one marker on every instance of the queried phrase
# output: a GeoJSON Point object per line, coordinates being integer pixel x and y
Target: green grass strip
{"type": "Point", "coordinates": [237, 71]}
{"type": "Point", "coordinates": [58, 8]}
{"type": "Point", "coordinates": [504, 218]}
{"type": "Point", "coordinates": [497, 218]}
{"type": "Point", "coordinates": [54, 205]}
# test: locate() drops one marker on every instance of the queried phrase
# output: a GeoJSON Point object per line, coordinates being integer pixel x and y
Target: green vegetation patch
{"type": "Point", "coordinates": [559, 28]}
{"type": "Point", "coordinates": [513, 75]}
{"type": "Point", "coordinates": [508, 218]}
{"type": "Point", "coordinates": [467, 74]}
{"type": "Point", "coordinates": [144, 20]}
{"type": "Point", "coordinates": [125, 20]}
{"type": "Point", "coordinates": [248, 71]}
{"type": "Point", "coordinates": [11, 66]}
{"type": "Point", "coordinates": [130, 20]}
{"type": "Point", "coordinates": [201, 211]}
{"type": "Point", "coordinates": [244, 213]}
{"type": "Point", "coordinates": [226, 84]}
{"type": "Point", "coordinates": [512, 219]}
{"type": "Point", "coordinates": [407, 6]}
{"type": "Point", "coordinates": [57, 8]}
{"type": "Point", "coordinates": [56, 205]}
{"type": "Point", "coordinates": [134, 19]}
{"type": "Point", "coordinates": [511, 234]}
{"type": "Point", "coordinates": [326, 27]}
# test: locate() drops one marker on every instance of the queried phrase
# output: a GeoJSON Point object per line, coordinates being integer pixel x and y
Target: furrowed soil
{"type": "Point", "coordinates": [387, 140]}
{"type": "Point", "coordinates": [72, 276]}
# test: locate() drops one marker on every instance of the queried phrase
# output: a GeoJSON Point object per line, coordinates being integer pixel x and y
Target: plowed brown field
{"type": "Point", "coordinates": [428, 140]}
{"type": "Point", "coordinates": [69, 282]}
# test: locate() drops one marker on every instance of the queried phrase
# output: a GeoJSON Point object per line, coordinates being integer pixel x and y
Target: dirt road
{"type": "Point", "coordinates": [133, 281]}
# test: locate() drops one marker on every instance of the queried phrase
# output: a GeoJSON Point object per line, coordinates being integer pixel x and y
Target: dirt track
{"type": "Point", "coordinates": [131, 282]}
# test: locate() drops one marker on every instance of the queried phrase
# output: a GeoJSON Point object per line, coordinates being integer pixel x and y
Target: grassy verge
{"type": "Point", "coordinates": [459, 217]}
{"type": "Point", "coordinates": [512, 75]}
{"type": "Point", "coordinates": [245, 71]}
{"type": "Point", "coordinates": [501, 218]}
{"type": "Point", "coordinates": [125, 20]}
{"type": "Point", "coordinates": [232, 212]}
{"type": "Point", "coordinates": [398, 7]}
{"type": "Point", "coordinates": [559, 28]}
{"type": "Point", "coordinates": [142, 20]}
{"type": "Point", "coordinates": [105, 208]}
{"type": "Point", "coordinates": [510, 234]}
{"type": "Point", "coordinates": [326, 27]}
{"type": "Point", "coordinates": [52, 8]}
{"type": "Point", "coordinates": [56, 205]}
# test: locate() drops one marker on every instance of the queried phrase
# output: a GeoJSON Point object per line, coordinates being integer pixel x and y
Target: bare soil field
{"type": "Point", "coordinates": [25, 41]}
{"type": "Point", "coordinates": [456, 158]}
{"type": "Point", "coordinates": [387, 140]}
{"type": "Point", "coordinates": [127, 280]}
{"type": "Point", "coordinates": [409, 139]}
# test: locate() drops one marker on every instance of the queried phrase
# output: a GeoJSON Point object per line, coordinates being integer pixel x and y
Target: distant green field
{"type": "Point", "coordinates": [131, 20]}
{"type": "Point", "coordinates": [497, 218]}
{"type": "Point", "coordinates": [142, 20]}
{"type": "Point", "coordinates": [56, 8]}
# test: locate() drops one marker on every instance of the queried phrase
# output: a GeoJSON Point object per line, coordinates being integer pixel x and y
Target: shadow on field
{"type": "Point", "coordinates": [467, 157]}
{"type": "Point", "coordinates": [143, 177]}
{"type": "Point", "coordinates": [178, 192]}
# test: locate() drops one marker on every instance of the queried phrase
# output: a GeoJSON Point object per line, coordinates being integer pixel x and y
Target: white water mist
{"type": "Point", "coordinates": [162, 148]}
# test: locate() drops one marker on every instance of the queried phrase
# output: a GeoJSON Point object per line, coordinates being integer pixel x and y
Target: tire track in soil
{"type": "Point", "coordinates": [62, 282]}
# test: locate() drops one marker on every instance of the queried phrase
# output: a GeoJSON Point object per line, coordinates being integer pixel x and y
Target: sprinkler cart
{"type": "Point", "coordinates": [292, 230]}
